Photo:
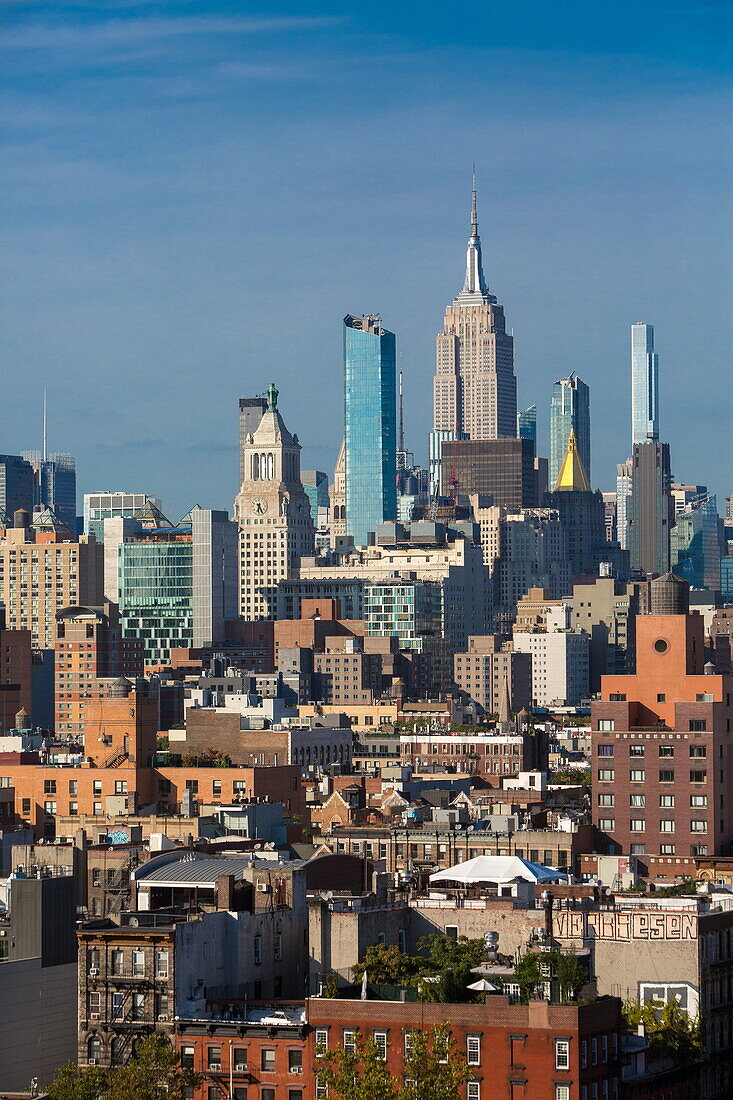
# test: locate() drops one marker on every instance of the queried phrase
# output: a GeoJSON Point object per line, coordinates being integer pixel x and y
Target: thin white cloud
{"type": "Point", "coordinates": [123, 32]}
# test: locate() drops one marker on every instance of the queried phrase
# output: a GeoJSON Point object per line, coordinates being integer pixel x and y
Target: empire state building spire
{"type": "Point", "coordinates": [474, 286]}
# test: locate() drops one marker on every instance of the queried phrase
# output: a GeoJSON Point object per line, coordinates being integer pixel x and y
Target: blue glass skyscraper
{"type": "Point", "coordinates": [370, 435]}
{"type": "Point", "coordinates": [527, 425]}
{"type": "Point", "coordinates": [569, 411]}
{"type": "Point", "coordinates": [644, 385]}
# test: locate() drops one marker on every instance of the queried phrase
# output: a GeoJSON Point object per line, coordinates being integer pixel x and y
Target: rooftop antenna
{"type": "Point", "coordinates": [401, 436]}
{"type": "Point", "coordinates": [45, 422]}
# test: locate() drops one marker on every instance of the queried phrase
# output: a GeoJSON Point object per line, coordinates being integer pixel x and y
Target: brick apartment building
{"type": "Point", "coordinates": [662, 758]}
{"type": "Point", "coordinates": [89, 649]}
{"type": "Point", "coordinates": [515, 1052]}
{"type": "Point", "coordinates": [493, 753]}
{"type": "Point", "coordinates": [15, 674]}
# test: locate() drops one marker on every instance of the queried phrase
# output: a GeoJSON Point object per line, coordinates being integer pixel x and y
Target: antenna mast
{"type": "Point", "coordinates": [401, 435]}
{"type": "Point", "coordinates": [44, 424]}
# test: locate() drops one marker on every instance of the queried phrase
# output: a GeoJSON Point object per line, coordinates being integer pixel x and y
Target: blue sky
{"type": "Point", "coordinates": [196, 193]}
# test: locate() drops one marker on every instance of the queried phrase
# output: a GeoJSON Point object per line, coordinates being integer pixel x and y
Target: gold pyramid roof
{"type": "Point", "coordinates": [572, 475]}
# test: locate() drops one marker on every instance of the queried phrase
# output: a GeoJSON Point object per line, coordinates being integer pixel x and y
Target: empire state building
{"type": "Point", "coordinates": [474, 391]}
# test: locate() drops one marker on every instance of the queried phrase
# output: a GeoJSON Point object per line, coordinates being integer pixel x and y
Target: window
{"type": "Point", "coordinates": [118, 1005]}
{"type": "Point", "coordinates": [216, 788]}
{"type": "Point", "coordinates": [606, 724]}
{"type": "Point", "coordinates": [594, 1051]}
{"type": "Point", "coordinates": [666, 825]}
{"type": "Point", "coordinates": [138, 964]}
{"type": "Point", "coordinates": [94, 1050]}
{"type": "Point", "coordinates": [380, 1042]}
{"type": "Point", "coordinates": [698, 826]}
{"type": "Point", "coordinates": [606, 799]}
{"type": "Point", "coordinates": [117, 1050]}
{"type": "Point", "coordinates": [97, 787]}
{"type": "Point", "coordinates": [295, 1060]}
{"type": "Point", "coordinates": [666, 775]}
{"type": "Point", "coordinates": [73, 786]}
{"type": "Point", "coordinates": [267, 1060]}
{"type": "Point", "coordinates": [562, 1054]}
{"type": "Point", "coordinates": [294, 1094]}
{"type": "Point", "coordinates": [666, 750]}
{"type": "Point", "coordinates": [606, 750]}
{"type": "Point", "coordinates": [637, 825]}
{"type": "Point", "coordinates": [700, 751]}
{"type": "Point", "coordinates": [138, 1006]}
{"type": "Point", "coordinates": [321, 1090]}
{"type": "Point", "coordinates": [473, 1050]}
{"type": "Point", "coordinates": [117, 962]}
{"type": "Point", "coordinates": [666, 801]}
{"type": "Point", "coordinates": [636, 775]}
{"type": "Point", "coordinates": [606, 775]}
{"type": "Point", "coordinates": [666, 849]}
{"type": "Point", "coordinates": [120, 786]}
{"type": "Point", "coordinates": [661, 698]}
{"type": "Point", "coordinates": [562, 1092]}
{"type": "Point", "coordinates": [321, 1044]}
{"type": "Point", "coordinates": [277, 946]}
{"type": "Point", "coordinates": [452, 931]}
{"type": "Point", "coordinates": [265, 1094]}
{"type": "Point", "coordinates": [239, 1059]}
{"type": "Point", "coordinates": [607, 824]}
{"type": "Point", "coordinates": [95, 1001]}
{"type": "Point", "coordinates": [698, 725]}
{"type": "Point", "coordinates": [161, 964]}
{"type": "Point", "coordinates": [636, 750]}
{"type": "Point", "coordinates": [350, 1041]}
{"type": "Point", "coordinates": [473, 1090]}
{"type": "Point", "coordinates": [213, 1058]}
{"type": "Point", "coordinates": [698, 776]}
{"type": "Point", "coordinates": [162, 1002]}
{"type": "Point", "coordinates": [699, 800]}
{"type": "Point", "coordinates": [408, 1044]}
{"type": "Point", "coordinates": [257, 948]}
{"type": "Point", "coordinates": [49, 786]}
{"type": "Point", "coordinates": [637, 800]}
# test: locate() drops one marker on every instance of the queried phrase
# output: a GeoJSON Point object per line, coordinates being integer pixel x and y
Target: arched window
{"type": "Point", "coordinates": [255, 467]}
{"type": "Point", "coordinates": [117, 1050]}
{"type": "Point", "coordinates": [270, 467]}
{"type": "Point", "coordinates": [94, 1050]}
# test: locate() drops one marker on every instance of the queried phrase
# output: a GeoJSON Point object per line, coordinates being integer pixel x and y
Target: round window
{"type": "Point", "coordinates": [661, 646]}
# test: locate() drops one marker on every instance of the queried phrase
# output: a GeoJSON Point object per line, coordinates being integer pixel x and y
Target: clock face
{"type": "Point", "coordinates": [259, 506]}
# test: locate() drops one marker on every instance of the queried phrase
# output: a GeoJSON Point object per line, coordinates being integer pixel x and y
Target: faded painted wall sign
{"type": "Point", "coordinates": [626, 925]}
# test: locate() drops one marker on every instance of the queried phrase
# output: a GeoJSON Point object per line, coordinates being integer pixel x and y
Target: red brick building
{"type": "Point", "coordinates": [662, 753]}
{"type": "Point", "coordinates": [537, 1051]}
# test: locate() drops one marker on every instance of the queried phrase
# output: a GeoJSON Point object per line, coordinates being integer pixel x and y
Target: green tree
{"type": "Point", "coordinates": [153, 1073]}
{"type": "Point", "coordinates": [528, 975]}
{"type": "Point", "coordinates": [385, 964]}
{"type": "Point", "coordinates": [569, 971]}
{"type": "Point", "coordinates": [451, 961]}
{"type": "Point", "coordinates": [331, 986]}
{"type": "Point", "coordinates": [671, 1032]}
{"type": "Point", "coordinates": [78, 1083]}
{"type": "Point", "coordinates": [359, 1073]}
{"type": "Point", "coordinates": [433, 1068]}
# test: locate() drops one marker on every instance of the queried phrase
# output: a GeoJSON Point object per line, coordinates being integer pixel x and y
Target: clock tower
{"type": "Point", "coordinates": [272, 512]}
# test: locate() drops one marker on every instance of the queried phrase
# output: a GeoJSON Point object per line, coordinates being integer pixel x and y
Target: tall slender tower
{"type": "Point", "coordinates": [272, 512]}
{"type": "Point", "coordinates": [569, 412]}
{"type": "Point", "coordinates": [475, 391]}
{"type": "Point", "coordinates": [644, 385]}
{"type": "Point", "coordinates": [370, 426]}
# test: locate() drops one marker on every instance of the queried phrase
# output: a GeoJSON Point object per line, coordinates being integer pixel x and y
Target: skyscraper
{"type": "Point", "coordinates": [649, 508]}
{"type": "Point", "coordinates": [370, 426]}
{"type": "Point", "coordinates": [569, 411]}
{"type": "Point", "coordinates": [527, 425]}
{"type": "Point", "coordinates": [17, 486]}
{"type": "Point", "coordinates": [55, 484]}
{"type": "Point", "coordinates": [644, 384]}
{"type": "Point", "coordinates": [273, 513]}
{"type": "Point", "coordinates": [475, 391]}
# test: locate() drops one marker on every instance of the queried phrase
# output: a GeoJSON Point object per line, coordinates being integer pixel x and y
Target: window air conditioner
{"type": "Point", "coordinates": [91, 1061]}
{"type": "Point", "coordinates": [93, 1015]}
{"type": "Point", "coordinates": [215, 1067]}
{"type": "Point", "coordinates": [162, 1017]}
{"type": "Point", "coordinates": [241, 1067]}
{"type": "Point", "coordinates": [93, 971]}
{"type": "Point", "coordinates": [296, 1069]}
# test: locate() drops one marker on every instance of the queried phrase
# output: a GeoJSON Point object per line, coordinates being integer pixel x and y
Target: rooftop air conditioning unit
{"type": "Point", "coordinates": [263, 887]}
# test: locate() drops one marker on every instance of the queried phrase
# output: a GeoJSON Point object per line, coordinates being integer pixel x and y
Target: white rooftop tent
{"type": "Point", "coordinates": [499, 869]}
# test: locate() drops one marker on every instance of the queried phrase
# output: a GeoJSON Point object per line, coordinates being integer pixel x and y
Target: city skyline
{"type": "Point", "coordinates": [135, 301]}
